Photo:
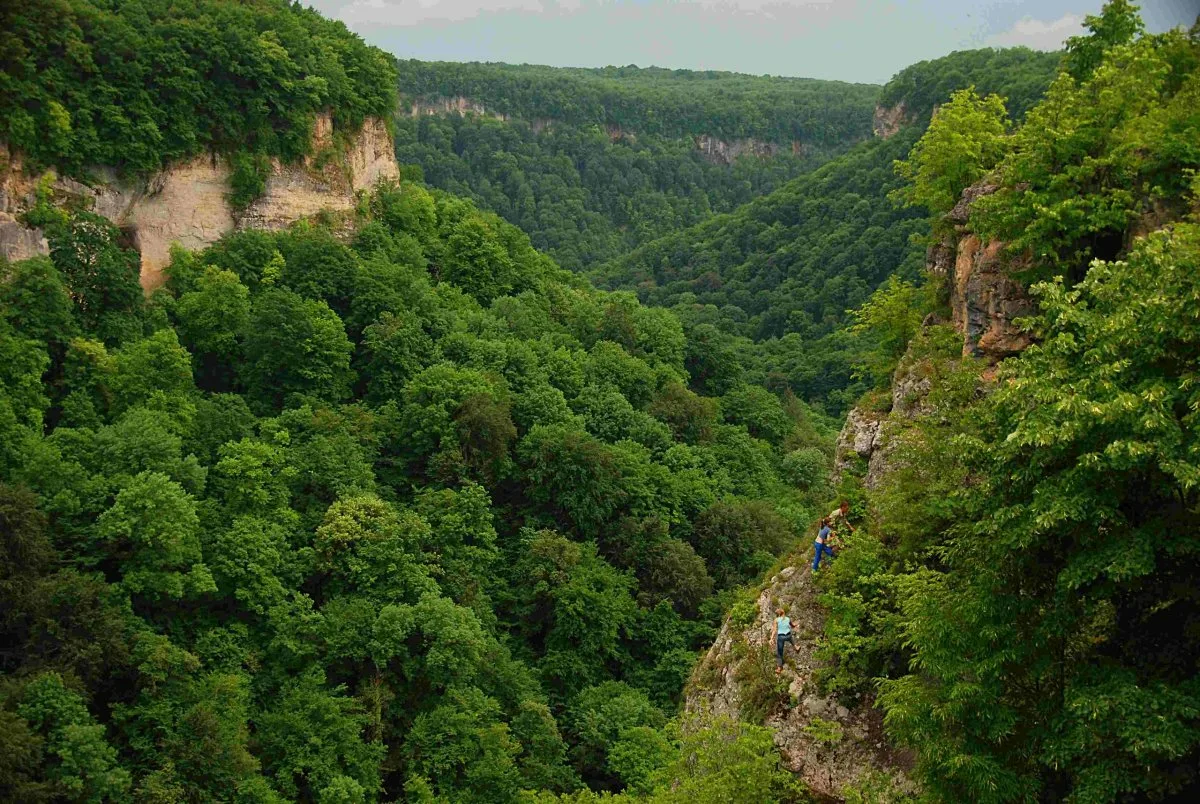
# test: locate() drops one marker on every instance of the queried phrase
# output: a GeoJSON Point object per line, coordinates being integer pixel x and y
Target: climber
{"type": "Point", "coordinates": [821, 546]}
{"type": "Point", "coordinates": [834, 543]}
{"type": "Point", "coordinates": [783, 633]}
{"type": "Point", "coordinates": [842, 512]}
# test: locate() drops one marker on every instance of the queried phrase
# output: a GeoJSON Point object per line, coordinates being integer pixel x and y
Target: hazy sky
{"type": "Point", "coordinates": [854, 40]}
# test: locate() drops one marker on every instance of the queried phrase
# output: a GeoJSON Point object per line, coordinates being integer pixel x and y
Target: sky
{"type": "Point", "coordinates": [850, 40]}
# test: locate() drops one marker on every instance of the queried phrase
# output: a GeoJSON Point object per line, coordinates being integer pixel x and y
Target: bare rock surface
{"type": "Point", "coordinates": [888, 120]}
{"type": "Point", "coordinates": [827, 742]}
{"type": "Point", "coordinates": [861, 436]}
{"type": "Point", "coordinates": [986, 300]}
{"type": "Point", "coordinates": [727, 152]}
{"type": "Point", "coordinates": [187, 203]}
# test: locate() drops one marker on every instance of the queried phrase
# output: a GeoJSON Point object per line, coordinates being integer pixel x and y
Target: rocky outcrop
{"type": "Point", "coordinates": [453, 105]}
{"type": "Point", "coordinates": [888, 120]}
{"type": "Point", "coordinates": [861, 438]}
{"type": "Point", "coordinates": [985, 297]}
{"type": "Point", "coordinates": [187, 203]}
{"type": "Point", "coordinates": [986, 301]}
{"type": "Point", "coordinates": [827, 742]}
{"type": "Point", "coordinates": [727, 151]}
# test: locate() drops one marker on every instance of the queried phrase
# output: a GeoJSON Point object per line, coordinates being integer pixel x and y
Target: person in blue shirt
{"type": "Point", "coordinates": [783, 633]}
{"type": "Point", "coordinates": [821, 545]}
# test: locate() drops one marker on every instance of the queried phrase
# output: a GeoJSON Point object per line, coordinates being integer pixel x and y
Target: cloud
{"type": "Point", "coordinates": [359, 14]}
{"type": "Point", "coordinates": [1039, 34]}
{"type": "Point", "coordinates": [414, 12]}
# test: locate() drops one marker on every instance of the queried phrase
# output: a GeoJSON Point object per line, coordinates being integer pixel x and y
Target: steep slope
{"type": "Point", "coordinates": [1021, 593]}
{"type": "Point", "coordinates": [189, 203]}
{"type": "Point", "coordinates": [591, 163]}
{"type": "Point", "coordinates": [180, 122]}
{"type": "Point", "coordinates": [833, 743]}
{"type": "Point", "coordinates": [783, 269]}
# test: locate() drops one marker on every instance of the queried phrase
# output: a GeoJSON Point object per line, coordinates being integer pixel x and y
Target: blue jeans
{"type": "Point", "coordinates": [819, 550]}
{"type": "Point", "coordinates": [779, 640]}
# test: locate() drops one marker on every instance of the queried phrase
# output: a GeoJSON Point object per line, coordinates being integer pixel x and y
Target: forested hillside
{"type": "Point", "coordinates": [418, 515]}
{"type": "Point", "coordinates": [132, 86]}
{"type": "Point", "coordinates": [1023, 593]}
{"type": "Point", "coordinates": [773, 280]}
{"type": "Point", "coordinates": [654, 101]}
{"type": "Point", "coordinates": [592, 163]}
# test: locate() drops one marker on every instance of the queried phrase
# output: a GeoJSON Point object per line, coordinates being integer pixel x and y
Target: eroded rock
{"type": "Point", "coordinates": [187, 203]}
{"type": "Point", "coordinates": [888, 120]}
{"type": "Point", "coordinates": [827, 742]}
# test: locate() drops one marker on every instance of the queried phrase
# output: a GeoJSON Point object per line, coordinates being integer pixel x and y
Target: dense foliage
{"type": "Point", "coordinates": [418, 516]}
{"type": "Point", "coordinates": [655, 101]}
{"type": "Point", "coordinates": [583, 194]}
{"type": "Point", "coordinates": [131, 85]}
{"type": "Point", "coordinates": [1019, 74]}
{"type": "Point", "coordinates": [772, 281]}
{"type": "Point", "coordinates": [1025, 596]}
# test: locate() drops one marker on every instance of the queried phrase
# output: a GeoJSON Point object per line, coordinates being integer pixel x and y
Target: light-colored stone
{"type": "Point", "coordinates": [452, 105]}
{"type": "Point", "coordinates": [888, 120]}
{"type": "Point", "coordinates": [859, 437]}
{"type": "Point", "coordinates": [825, 769]}
{"type": "Point", "coordinates": [727, 152]}
{"type": "Point", "coordinates": [187, 203]}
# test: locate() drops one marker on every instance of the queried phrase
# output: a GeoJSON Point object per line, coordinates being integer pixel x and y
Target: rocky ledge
{"type": "Point", "coordinates": [187, 203]}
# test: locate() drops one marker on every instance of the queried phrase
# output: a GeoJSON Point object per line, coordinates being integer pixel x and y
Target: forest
{"type": "Point", "coordinates": [585, 196]}
{"type": "Point", "coordinates": [1023, 595]}
{"type": "Point", "coordinates": [655, 101]}
{"type": "Point", "coordinates": [131, 86]}
{"type": "Point", "coordinates": [421, 515]}
{"type": "Point", "coordinates": [414, 505]}
{"type": "Point", "coordinates": [761, 259]}
{"type": "Point", "coordinates": [592, 163]}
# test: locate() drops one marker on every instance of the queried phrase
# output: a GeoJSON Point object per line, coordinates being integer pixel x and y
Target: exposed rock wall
{"type": "Point", "coordinates": [741, 661]}
{"type": "Point", "coordinates": [727, 151]}
{"type": "Point", "coordinates": [888, 120]}
{"type": "Point", "coordinates": [454, 105]}
{"type": "Point", "coordinates": [712, 148]}
{"type": "Point", "coordinates": [985, 302]}
{"type": "Point", "coordinates": [187, 203]}
{"type": "Point", "coordinates": [985, 297]}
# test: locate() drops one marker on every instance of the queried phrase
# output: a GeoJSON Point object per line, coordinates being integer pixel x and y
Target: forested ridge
{"type": "Point", "coordinates": [655, 101]}
{"type": "Point", "coordinates": [1022, 596]}
{"type": "Point", "coordinates": [417, 516]}
{"type": "Point", "coordinates": [88, 84]}
{"type": "Point", "coordinates": [773, 280]}
{"type": "Point", "coordinates": [394, 506]}
{"type": "Point", "coordinates": [592, 163]}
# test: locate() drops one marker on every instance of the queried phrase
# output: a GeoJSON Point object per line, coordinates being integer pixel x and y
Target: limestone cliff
{"type": "Point", "coordinates": [888, 120]}
{"type": "Point", "coordinates": [714, 149]}
{"type": "Point", "coordinates": [986, 300]}
{"type": "Point", "coordinates": [187, 203]}
{"type": "Point", "coordinates": [827, 742]}
{"type": "Point", "coordinates": [453, 105]}
{"type": "Point", "coordinates": [727, 151]}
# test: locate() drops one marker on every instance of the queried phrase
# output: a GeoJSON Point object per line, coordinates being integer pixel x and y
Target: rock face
{"type": "Point", "coordinates": [888, 120]}
{"type": "Point", "coordinates": [829, 743]}
{"type": "Point", "coordinates": [861, 437]}
{"type": "Point", "coordinates": [453, 105]}
{"type": "Point", "coordinates": [187, 203]}
{"type": "Point", "coordinates": [727, 151]}
{"type": "Point", "coordinates": [985, 299]}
